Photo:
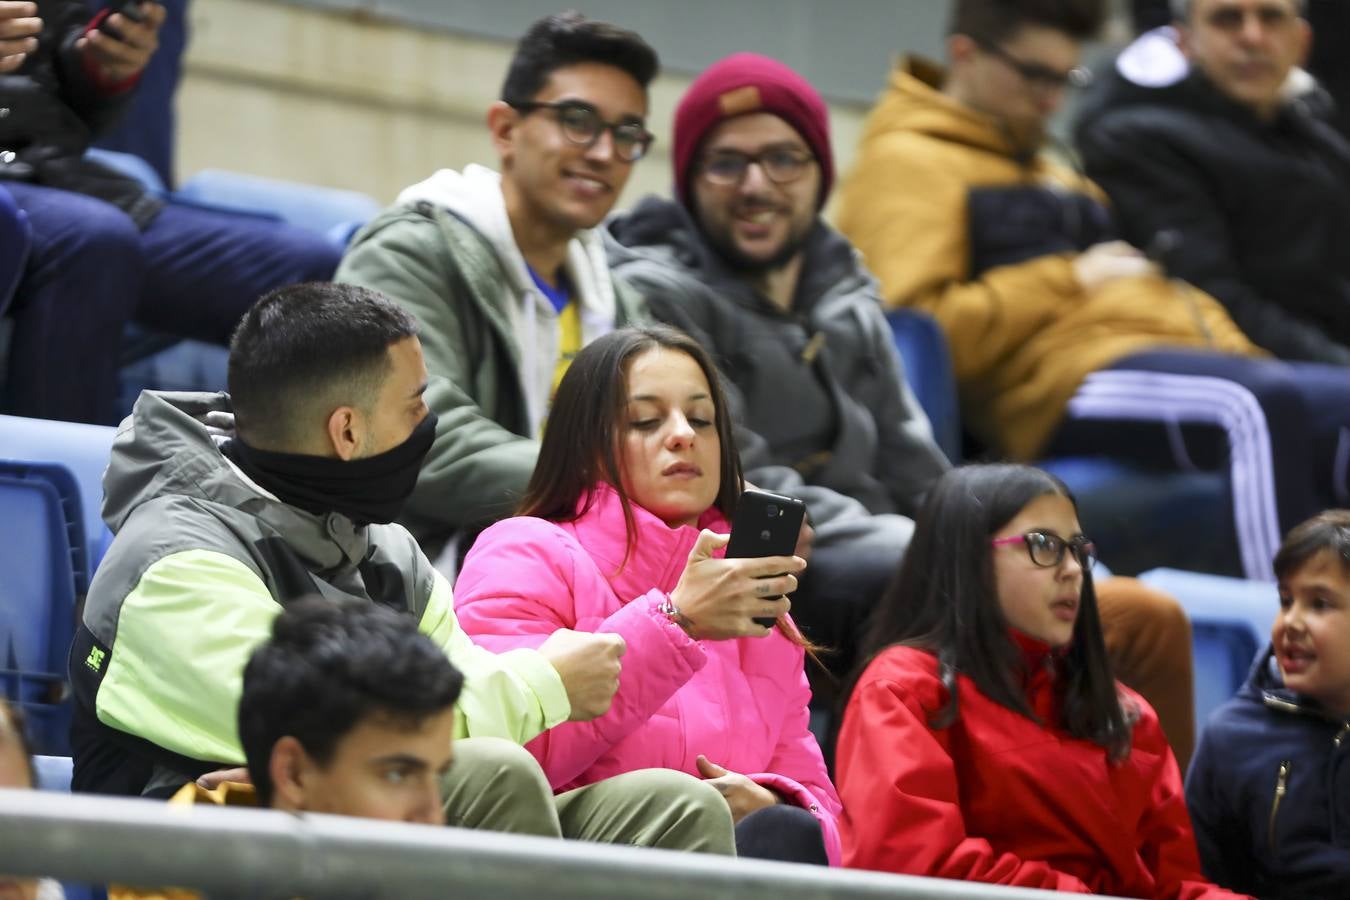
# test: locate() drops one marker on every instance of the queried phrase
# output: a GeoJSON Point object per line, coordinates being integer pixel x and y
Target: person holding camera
{"type": "Point", "coordinates": [621, 532]}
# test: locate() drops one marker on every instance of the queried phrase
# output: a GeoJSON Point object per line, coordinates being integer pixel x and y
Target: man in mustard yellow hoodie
{"type": "Point", "coordinates": [1064, 339]}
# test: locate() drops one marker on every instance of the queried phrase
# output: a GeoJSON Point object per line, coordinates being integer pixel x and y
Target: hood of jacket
{"type": "Point", "coordinates": [664, 232]}
{"type": "Point", "coordinates": [164, 448]}
{"type": "Point", "coordinates": [475, 197]}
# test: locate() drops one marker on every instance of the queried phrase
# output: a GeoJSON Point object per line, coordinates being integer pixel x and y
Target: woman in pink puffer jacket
{"type": "Point", "coordinates": [621, 532]}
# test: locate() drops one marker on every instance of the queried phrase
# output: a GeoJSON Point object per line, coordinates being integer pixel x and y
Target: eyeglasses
{"type": "Point", "coordinates": [781, 165]}
{"type": "Point", "coordinates": [1039, 77]}
{"type": "Point", "coordinates": [1047, 550]}
{"type": "Point", "coordinates": [581, 124]}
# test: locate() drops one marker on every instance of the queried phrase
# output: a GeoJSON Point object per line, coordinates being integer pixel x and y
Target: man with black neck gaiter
{"type": "Point", "coordinates": [216, 534]}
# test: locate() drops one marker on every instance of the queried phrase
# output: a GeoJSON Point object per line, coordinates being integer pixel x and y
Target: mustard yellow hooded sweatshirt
{"type": "Point", "coordinates": [1023, 333]}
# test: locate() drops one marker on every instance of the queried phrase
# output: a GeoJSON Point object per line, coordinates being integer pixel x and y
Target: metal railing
{"type": "Point", "coordinates": [230, 852]}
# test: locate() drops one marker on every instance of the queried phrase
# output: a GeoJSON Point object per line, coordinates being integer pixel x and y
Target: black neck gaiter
{"type": "Point", "coordinates": [367, 491]}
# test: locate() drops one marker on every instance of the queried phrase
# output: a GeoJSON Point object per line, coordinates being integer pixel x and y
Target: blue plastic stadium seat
{"type": "Point", "coordinates": [329, 210]}
{"type": "Point", "coordinates": [42, 556]}
{"type": "Point", "coordinates": [928, 369]}
{"type": "Point", "coordinates": [83, 450]}
{"type": "Point", "coordinates": [1140, 517]}
{"type": "Point", "coordinates": [1231, 620]}
{"type": "Point", "coordinates": [15, 237]}
{"type": "Point", "coordinates": [131, 166]}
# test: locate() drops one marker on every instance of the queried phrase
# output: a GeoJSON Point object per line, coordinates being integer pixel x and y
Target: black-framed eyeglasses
{"type": "Point", "coordinates": [781, 165]}
{"type": "Point", "coordinates": [581, 124]}
{"type": "Point", "coordinates": [1047, 550]}
{"type": "Point", "coordinates": [1038, 76]}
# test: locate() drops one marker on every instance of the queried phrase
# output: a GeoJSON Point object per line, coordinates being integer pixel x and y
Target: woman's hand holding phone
{"type": "Point", "coordinates": [720, 598]}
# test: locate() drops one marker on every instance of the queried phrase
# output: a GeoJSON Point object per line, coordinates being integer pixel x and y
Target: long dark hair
{"type": "Point", "coordinates": [944, 599]}
{"type": "Point", "coordinates": [581, 438]}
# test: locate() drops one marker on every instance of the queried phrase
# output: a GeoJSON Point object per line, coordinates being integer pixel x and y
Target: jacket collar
{"type": "Point", "coordinates": [659, 553]}
{"type": "Point", "coordinates": [164, 448]}
{"type": "Point", "coordinates": [1265, 685]}
{"type": "Point", "coordinates": [661, 229]}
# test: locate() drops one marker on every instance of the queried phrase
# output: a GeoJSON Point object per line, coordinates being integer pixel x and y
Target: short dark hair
{"type": "Point", "coordinates": [567, 39]}
{"type": "Point", "coordinates": [301, 351]}
{"type": "Point", "coordinates": [999, 20]}
{"type": "Point", "coordinates": [329, 666]}
{"type": "Point", "coordinates": [945, 600]}
{"type": "Point", "coordinates": [14, 728]}
{"type": "Point", "coordinates": [1328, 531]}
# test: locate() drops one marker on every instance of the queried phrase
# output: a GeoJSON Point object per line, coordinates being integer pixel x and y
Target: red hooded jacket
{"type": "Point", "coordinates": [1000, 798]}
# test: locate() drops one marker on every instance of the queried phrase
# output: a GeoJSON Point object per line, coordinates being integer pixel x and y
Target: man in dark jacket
{"type": "Point", "coordinates": [104, 251]}
{"type": "Point", "coordinates": [745, 264]}
{"type": "Point", "coordinates": [1245, 195]}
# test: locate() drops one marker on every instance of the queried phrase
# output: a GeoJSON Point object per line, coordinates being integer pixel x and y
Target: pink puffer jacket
{"type": "Point", "coordinates": [741, 703]}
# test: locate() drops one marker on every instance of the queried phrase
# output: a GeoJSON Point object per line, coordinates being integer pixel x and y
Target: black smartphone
{"type": "Point", "coordinates": [129, 8]}
{"type": "Point", "coordinates": [766, 524]}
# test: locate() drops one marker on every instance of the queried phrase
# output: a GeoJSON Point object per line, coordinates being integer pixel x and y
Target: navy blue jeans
{"type": "Point", "coordinates": [192, 273]}
{"type": "Point", "coordinates": [1281, 429]}
{"type": "Point", "coordinates": [783, 833]}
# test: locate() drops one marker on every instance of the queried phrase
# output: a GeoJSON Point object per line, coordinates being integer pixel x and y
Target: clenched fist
{"type": "Point", "coordinates": [589, 667]}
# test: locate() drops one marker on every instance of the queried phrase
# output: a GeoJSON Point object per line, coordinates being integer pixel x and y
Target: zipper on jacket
{"type": "Point", "coordinates": [1340, 736]}
{"type": "Point", "coordinates": [1281, 787]}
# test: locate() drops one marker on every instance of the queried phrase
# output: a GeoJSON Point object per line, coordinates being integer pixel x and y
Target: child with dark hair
{"type": "Point", "coordinates": [1269, 785]}
{"type": "Point", "coordinates": [986, 739]}
{"type": "Point", "coordinates": [16, 771]}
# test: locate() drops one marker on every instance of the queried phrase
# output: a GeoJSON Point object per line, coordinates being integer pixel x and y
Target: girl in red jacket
{"type": "Point", "coordinates": [986, 738]}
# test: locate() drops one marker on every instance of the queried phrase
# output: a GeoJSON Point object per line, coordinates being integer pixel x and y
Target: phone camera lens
{"type": "Point", "coordinates": [771, 510]}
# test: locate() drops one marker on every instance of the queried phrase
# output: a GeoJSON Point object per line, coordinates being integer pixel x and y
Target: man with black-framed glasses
{"type": "Point", "coordinates": [745, 263]}
{"type": "Point", "coordinates": [503, 270]}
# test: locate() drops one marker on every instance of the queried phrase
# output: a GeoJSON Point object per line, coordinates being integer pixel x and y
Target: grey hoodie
{"type": "Point", "coordinates": [446, 253]}
{"type": "Point", "coordinates": [879, 450]}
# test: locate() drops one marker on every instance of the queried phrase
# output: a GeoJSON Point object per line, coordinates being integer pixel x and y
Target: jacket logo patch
{"type": "Point", "coordinates": [95, 658]}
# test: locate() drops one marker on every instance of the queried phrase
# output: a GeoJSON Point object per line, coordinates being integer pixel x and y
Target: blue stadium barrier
{"type": "Point", "coordinates": [83, 450]}
{"type": "Point", "coordinates": [1231, 620]}
{"type": "Point", "coordinates": [42, 556]}
{"type": "Point", "coordinates": [928, 369]}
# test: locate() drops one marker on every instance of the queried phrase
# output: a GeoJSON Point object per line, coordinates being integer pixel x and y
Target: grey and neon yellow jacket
{"type": "Point", "coordinates": [202, 561]}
